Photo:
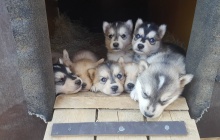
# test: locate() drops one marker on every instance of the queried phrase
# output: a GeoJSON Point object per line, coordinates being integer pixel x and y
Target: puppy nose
{"type": "Point", "coordinates": [130, 85]}
{"type": "Point", "coordinates": [148, 115]}
{"type": "Point", "coordinates": [140, 46]}
{"type": "Point", "coordinates": [84, 85]}
{"type": "Point", "coordinates": [114, 88]}
{"type": "Point", "coordinates": [115, 45]}
{"type": "Point", "coordinates": [78, 82]}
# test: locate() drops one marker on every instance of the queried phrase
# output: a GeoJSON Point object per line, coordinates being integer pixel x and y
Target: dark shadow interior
{"type": "Point", "coordinates": [177, 14]}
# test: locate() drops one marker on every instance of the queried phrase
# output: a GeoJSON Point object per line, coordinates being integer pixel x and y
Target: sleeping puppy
{"type": "Point", "coordinates": [81, 62]}
{"type": "Point", "coordinates": [108, 77]}
{"type": "Point", "coordinates": [160, 83]}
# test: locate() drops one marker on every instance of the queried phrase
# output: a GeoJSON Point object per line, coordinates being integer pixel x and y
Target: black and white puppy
{"type": "Point", "coordinates": [65, 81]}
{"type": "Point", "coordinates": [118, 36]}
{"type": "Point", "coordinates": [147, 40]}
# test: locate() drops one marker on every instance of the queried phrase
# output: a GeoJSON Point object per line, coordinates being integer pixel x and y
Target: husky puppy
{"type": "Point", "coordinates": [65, 81]}
{"type": "Point", "coordinates": [81, 62]}
{"type": "Point", "coordinates": [147, 40]}
{"type": "Point", "coordinates": [108, 77]}
{"type": "Point", "coordinates": [160, 83]}
{"type": "Point", "coordinates": [118, 36]}
{"type": "Point", "coordinates": [131, 74]}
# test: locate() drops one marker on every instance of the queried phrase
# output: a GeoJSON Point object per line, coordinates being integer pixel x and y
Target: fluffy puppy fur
{"type": "Point", "coordinates": [147, 40]}
{"type": "Point", "coordinates": [65, 81]}
{"type": "Point", "coordinates": [108, 77]}
{"type": "Point", "coordinates": [81, 62]}
{"type": "Point", "coordinates": [160, 83]}
{"type": "Point", "coordinates": [131, 74]}
{"type": "Point", "coordinates": [118, 36]}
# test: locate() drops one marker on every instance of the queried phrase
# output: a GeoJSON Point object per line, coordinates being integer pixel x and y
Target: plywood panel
{"type": "Point", "coordinates": [68, 116]}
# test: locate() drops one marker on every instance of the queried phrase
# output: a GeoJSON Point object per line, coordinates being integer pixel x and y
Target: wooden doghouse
{"type": "Point", "coordinates": [27, 86]}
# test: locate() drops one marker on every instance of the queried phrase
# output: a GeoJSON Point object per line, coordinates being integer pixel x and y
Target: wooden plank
{"type": "Point", "coordinates": [165, 116]}
{"type": "Point", "coordinates": [101, 101]}
{"type": "Point", "coordinates": [215, 138]}
{"type": "Point", "coordinates": [120, 115]}
{"type": "Point", "coordinates": [70, 116]}
{"type": "Point", "coordinates": [179, 116]}
{"type": "Point", "coordinates": [190, 125]}
{"type": "Point", "coordinates": [119, 128]}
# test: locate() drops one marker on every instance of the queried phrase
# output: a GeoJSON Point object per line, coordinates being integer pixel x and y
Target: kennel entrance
{"type": "Point", "coordinates": [98, 107]}
{"type": "Point", "coordinates": [24, 37]}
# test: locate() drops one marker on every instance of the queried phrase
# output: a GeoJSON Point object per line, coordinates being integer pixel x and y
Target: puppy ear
{"type": "Point", "coordinates": [185, 79]}
{"type": "Point", "coordinates": [105, 25]}
{"type": "Point", "coordinates": [66, 59]}
{"type": "Point", "coordinates": [129, 23]}
{"type": "Point", "coordinates": [142, 66]}
{"type": "Point", "coordinates": [138, 23]}
{"type": "Point", "coordinates": [99, 62]}
{"type": "Point", "coordinates": [91, 73]}
{"type": "Point", "coordinates": [60, 61]}
{"type": "Point", "coordinates": [121, 61]}
{"type": "Point", "coordinates": [162, 30]}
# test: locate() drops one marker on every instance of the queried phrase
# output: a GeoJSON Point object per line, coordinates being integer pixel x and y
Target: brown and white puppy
{"type": "Point", "coordinates": [81, 62]}
{"type": "Point", "coordinates": [131, 74]}
{"type": "Point", "coordinates": [108, 77]}
{"type": "Point", "coordinates": [118, 36]}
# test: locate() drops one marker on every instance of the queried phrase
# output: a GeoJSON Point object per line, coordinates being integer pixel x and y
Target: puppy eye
{"type": "Point", "coordinates": [110, 36]}
{"type": "Point", "coordinates": [152, 41]}
{"type": "Point", "coordinates": [163, 102]}
{"type": "Point", "coordinates": [119, 76]}
{"type": "Point", "coordinates": [137, 36]}
{"type": "Point", "coordinates": [62, 79]}
{"type": "Point", "coordinates": [123, 36]}
{"type": "Point", "coordinates": [145, 96]}
{"type": "Point", "coordinates": [104, 79]}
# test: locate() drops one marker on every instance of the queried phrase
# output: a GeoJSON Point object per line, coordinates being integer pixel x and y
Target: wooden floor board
{"type": "Point", "coordinates": [93, 101]}
{"type": "Point", "coordinates": [190, 125]}
{"type": "Point", "coordinates": [70, 116]}
{"type": "Point", "coordinates": [120, 115]}
{"type": "Point", "coordinates": [82, 108]}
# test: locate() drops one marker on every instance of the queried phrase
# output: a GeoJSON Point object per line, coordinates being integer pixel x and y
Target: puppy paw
{"type": "Point", "coordinates": [93, 89]}
{"type": "Point", "coordinates": [134, 95]}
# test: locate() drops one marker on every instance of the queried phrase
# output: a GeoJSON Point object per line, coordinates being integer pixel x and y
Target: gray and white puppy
{"type": "Point", "coordinates": [118, 36]}
{"type": "Point", "coordinates": [147, 40]}
{"type": "Point", "coordinates": [65, 81]}
{"type": "Point", "coordinates": [108, 77]}
{"type": "Point", "coordinates": [160, 83]}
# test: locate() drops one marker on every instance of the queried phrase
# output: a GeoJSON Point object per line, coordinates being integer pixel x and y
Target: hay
{"type": "Point", "coordinates": [72, 36]}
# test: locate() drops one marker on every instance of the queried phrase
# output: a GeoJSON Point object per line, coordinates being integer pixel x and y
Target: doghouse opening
{"type": "Point", "coordinates": [178, 15]}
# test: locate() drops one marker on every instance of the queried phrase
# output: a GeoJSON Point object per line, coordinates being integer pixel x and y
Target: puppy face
{"type": "Point", "coordinates": [131, 73]}
{"type": "Point", "coordinates": [108, 78]}
{"type": "Point", "coordinates": [147, 37]}
{"type": "Point", "coordinates": [65, 81]}
{"type": "Point", "coordinates": [156, 89]}
{"type": "Point", "coordinates": [80, 68]}
{"type": "Point", "coordinates": [118, 35]}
